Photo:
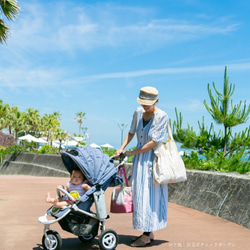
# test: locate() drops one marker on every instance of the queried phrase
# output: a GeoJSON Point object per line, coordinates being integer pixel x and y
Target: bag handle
{"type": "Point", "coordinates": [169, 132]}
{"type": "Point", "coordinates": [168, 128]}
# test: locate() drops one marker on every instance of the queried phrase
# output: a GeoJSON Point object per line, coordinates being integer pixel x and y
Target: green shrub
{"type": "Point", "coordinates": [47, 149]}
{"type": "Point", "coordinates": [15, 149]}
{"type": "Point", "coordinates": [236, 162]}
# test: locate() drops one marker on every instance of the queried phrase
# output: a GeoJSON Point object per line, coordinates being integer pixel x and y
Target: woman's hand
{"type": "Point", "coordinates": [127, 140]}
{"type": "Point", "coordinates": [117, 153]}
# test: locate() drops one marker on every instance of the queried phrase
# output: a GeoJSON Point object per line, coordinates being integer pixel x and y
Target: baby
{"type": "Point", "coordinates": [77, 186]}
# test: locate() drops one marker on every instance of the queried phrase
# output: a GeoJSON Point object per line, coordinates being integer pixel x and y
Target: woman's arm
{"type": "Point", "coordinates": [148, 146]}
{"type": "Point", "coordinates": [126, 141]}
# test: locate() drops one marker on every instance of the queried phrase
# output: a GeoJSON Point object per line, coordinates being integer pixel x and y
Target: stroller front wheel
{"type": "Point", "coordinates": [108, 240]}
{"type": "Point", "coordinates": [53, 241]}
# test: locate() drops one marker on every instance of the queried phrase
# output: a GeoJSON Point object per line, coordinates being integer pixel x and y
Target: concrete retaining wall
{"type": "Point", "coordinates": [33, 164]}
{"type": "Point", "coordinates": [215, 193]}
{"type": "Point", "coordinates": [219, 194]}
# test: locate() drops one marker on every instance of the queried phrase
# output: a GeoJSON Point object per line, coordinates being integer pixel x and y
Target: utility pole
{"type": "Point", "coordinates": [122, 127]}
{"type": "Point", "coordinates": [84, 129]}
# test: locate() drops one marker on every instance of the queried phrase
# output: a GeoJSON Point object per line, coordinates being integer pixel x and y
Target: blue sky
{"type": "Point", "coordinates": [94, 56]}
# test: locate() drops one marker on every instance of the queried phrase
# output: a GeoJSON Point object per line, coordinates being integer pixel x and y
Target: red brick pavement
{"type": "Point", "coordinates": [22, 201]}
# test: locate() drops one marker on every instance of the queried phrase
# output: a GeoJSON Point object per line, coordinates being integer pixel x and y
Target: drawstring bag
{"type": "Point", "coordinates": [168, 166]}
{"type": "Point", "coordinates": [121, 198]}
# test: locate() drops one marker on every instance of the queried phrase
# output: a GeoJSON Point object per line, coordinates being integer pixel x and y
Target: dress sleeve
{"type": "Point", "coordinates": [159, 129]}
{"type": "Point", "coordinates": [135, 121]}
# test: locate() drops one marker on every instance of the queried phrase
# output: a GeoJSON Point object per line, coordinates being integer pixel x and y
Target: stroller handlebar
{"type": "Point", "coordinates": [122, 158]}
{"type": "Point", "coordinates": [122, 161]}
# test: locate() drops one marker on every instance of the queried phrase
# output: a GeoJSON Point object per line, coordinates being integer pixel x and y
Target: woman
{"type": "Point", "coordinates": [150, 200]}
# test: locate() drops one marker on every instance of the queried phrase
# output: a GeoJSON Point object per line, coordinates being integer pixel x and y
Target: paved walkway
{"type": "Point", "coordinates": [22, 202]}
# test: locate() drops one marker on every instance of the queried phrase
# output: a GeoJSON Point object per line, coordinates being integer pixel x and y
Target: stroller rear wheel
{"type": "Point", "coordinates": [53, 241]}
{"type": "Point", "coordinates": [108, 240]}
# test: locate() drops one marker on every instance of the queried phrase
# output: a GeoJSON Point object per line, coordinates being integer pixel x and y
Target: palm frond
{"type": "Point", "coordinates": [4, 32]}
{"type": "Point", "coordinates": [10, 9]}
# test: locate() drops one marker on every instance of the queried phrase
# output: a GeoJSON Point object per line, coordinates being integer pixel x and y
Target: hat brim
{"type": "Point", "coordinates": [146, 101]}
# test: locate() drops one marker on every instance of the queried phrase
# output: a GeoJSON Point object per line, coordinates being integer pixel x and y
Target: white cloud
{"type": "Point", "coordinates": [88, 27]}
{"type": "Point", "coordinates": [33, 77]}
{"type": "Point", "coordinates": [60, 29]}
{"type": "Point", "coordinates": [37, 77]}
{"type": "Point", "coordinates": [192, 106]}
{"type": "Point", "coordinates": [167, 71]}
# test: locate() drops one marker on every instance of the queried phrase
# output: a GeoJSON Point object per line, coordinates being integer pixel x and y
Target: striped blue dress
{"type": "Point", "coordinates": [150, 200]}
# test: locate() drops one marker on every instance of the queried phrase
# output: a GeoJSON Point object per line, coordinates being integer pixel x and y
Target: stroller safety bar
{"type": "Point", "coordinates": [66, 193]}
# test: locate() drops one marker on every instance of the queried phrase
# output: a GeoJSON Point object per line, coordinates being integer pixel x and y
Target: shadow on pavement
{"type": "Point", "coordinates": [75, 244]}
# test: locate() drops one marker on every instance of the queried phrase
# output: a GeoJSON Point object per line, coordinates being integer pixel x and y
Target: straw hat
{"type": "Point", "coordinates": [148, 96]}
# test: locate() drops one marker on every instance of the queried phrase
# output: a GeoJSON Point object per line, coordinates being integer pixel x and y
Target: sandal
{"type": "Point", "coordinates": [151, 237]}
{"type": "Point", "coordinates": [141, 241]}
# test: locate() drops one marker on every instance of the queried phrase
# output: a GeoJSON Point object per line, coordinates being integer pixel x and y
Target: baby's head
{"type": "Point", "coordinates": [76, 177]}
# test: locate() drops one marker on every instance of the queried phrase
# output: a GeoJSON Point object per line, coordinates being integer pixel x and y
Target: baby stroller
{"type": "Point", "coordinates": [77, 218]}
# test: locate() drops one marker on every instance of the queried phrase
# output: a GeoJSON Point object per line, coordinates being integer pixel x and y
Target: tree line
{"type": "Point", "coordinates": [30, 121]}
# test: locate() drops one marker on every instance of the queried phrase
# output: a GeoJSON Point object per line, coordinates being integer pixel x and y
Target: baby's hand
{"type": "Point", "coordinates": [85, 186]}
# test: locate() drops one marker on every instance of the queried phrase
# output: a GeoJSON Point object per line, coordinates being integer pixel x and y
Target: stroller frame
{"type": "Point", "coordinates": [108, 238]}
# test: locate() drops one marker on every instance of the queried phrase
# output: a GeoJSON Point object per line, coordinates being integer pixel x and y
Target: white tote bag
{"type": "Point", "coordinates": [168, 166]}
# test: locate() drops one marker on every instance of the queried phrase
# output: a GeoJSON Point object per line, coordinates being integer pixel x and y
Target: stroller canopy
{"type": "Point", "coordinates": [96, 166]}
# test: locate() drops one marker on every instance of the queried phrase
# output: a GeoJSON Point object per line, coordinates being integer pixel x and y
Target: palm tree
{"type": "Point", "coordinates": [50, 123]}
{"type": "Point", "coordinates": [220, 112]}
{"type": "Point", "coordinates": [79, 117]}
{"type": "Point", "coordinates": [10, 10]}
{"type": "Point", "coordinates": [4, 110]}
{"type": "Point", "coordinates": [33, 120]}
{"type": "Point", "coordinates": [57, 115]}
{"type": "Point", "coordinates": [17, 121]}
{"type": "Point", "coordinates": [9, 118]}
{"type": "Point", "coordinates": [60, 135]}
